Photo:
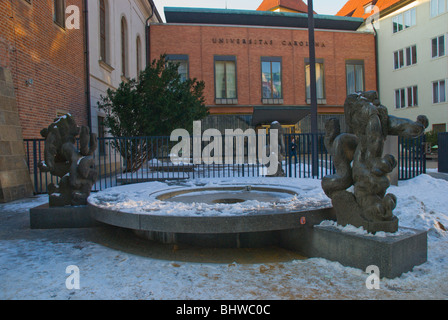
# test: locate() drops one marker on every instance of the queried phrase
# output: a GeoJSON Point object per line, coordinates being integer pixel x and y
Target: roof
{"type": "Point", "coordinates": [355, 8]}
{"type": "Point", "coordinates": [296, 5]}
{"type": "Point", "coordinates": [258, 18]}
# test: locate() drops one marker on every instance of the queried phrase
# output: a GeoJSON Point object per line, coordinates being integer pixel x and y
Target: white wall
{"type": "Point", "coordinates": [104, 76]}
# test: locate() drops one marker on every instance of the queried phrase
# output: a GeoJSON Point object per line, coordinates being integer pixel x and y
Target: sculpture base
{"type": "Point", "coordinates": [392, 254]}
{"type": "Point", "coordinates": [46, 217]}
{"type": "Point", "coordinates": [348, 212]}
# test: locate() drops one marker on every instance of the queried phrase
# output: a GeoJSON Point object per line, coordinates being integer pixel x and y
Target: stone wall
{"type": "Point", "coordinates": [15, 182]}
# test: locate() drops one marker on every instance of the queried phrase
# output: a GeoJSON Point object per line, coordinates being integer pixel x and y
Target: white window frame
{"type": "Point", "coordinates": [400, 103]}
{"type": "Point", "coordinates": [404, 99]}
{"type": "Point", "coordinates": [440, 98]}
{"type": "Point", "coordinates": [444, 46]}
{"type": "Point", "coordinates": [400, 19]}
{"type": "Point", "coordinates": [437, 7]}
{"type": "Point", "coordinates": [405, 57]}
{"type": "Point", "coordinates": [412, 96]}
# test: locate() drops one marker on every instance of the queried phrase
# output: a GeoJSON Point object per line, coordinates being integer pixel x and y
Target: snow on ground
{"type": "Point", "coordinates": [114, 264]}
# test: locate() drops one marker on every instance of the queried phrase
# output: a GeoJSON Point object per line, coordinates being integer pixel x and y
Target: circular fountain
{"type": "Point", "coordinates": [210, 213]}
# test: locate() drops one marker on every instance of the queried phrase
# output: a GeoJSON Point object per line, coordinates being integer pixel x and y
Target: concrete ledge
{"type": "Point", "coordinates": [44, 217]}
{"type": "Point", "coordinates": [393, 255]}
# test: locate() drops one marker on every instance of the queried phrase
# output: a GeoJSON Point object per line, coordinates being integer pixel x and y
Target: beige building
{"type": "Point", "coordinates": [412, 45]}
{"type": "Point", "coordinates": [117, 46]}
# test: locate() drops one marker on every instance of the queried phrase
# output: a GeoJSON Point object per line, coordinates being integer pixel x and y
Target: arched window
{"type": "Point", "coordinates": [59, 12]}
{"type": "Point", "coordinates": [124, 47]}
{"type": "Point", "coordinates": [139, 55]}
{"type": "Point", "coordinates": [103, 31]}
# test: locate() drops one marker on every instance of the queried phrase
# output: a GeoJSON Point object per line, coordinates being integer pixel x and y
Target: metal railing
{"type": "Point", "coordinates": [127, 160]}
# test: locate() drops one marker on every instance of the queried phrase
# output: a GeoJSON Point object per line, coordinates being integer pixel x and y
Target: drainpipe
{"type": "Point", "coordinates": [148, 46]}
{"type": "Point", "coordinates": [376, 60]}
{"type": "Point", "coordinates": [87, 59]}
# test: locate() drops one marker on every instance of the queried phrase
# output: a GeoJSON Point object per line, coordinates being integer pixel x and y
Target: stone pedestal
{"type": "Point", "coordinates": [15, 182]}
{"type": "Point", "coordinates": [45, 217]}
{"type": "Point", "coordinates": [392, 254]}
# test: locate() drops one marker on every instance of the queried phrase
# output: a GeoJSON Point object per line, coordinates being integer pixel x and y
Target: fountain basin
{"type": "Point", "coordinates": [205, 207]}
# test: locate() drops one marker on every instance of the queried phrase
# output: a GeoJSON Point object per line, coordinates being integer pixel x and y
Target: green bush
{"type": "Point", "coordinates": [153, 105]}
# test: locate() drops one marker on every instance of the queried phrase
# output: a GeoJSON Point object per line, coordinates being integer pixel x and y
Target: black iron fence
{"type": "Point", "coordinates": [142, 159]}
{"type": "Point", "coordinates": [443, 152]}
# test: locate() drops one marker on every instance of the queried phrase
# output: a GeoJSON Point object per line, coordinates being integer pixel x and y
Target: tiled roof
{"type": "Point", "coordinates": [296, 5]}
{"type": "Point", "coordinates": [355, 8]}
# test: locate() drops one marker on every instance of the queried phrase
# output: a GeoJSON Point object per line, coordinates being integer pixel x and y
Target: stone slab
{"type": "Point", "coordinates": [392, 254]}
{"type": "Point", "coordinates": [44, 217]}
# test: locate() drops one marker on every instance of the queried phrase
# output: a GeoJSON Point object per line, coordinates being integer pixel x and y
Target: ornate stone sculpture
{"type": "Point", "coordinates": [281, 148]}
{"type": "Point", "coordinates": [359, 162]}
{"type": "Point", "coordinates": [62, 159]}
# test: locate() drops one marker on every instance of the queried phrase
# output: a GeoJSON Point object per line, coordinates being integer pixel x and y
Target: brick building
{"type": "Point", "coordinates": [47, 61]}
{"type": "Point", "coordinates": [42, 75]}
{"type": "Point", "coordinates": [255, 63]}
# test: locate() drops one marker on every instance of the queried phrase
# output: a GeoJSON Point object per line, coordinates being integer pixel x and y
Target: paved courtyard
{"type": "Point", "coordinates": [115, 264]}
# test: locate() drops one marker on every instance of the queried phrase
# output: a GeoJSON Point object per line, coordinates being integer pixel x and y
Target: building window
{"type": "Point", "coordinates": [412, 96]}
{"type": "Point", "coordinates": [398, 59]}
{"type": "Point", "coordinates": [124, 48]}
{"type": "Point", "coordinates": [439, 91]}
{"type": "Point", "coordinates": [437, 7]}
{"type": "Point", "coordinates": [139, 55]}
{"type": "Point", "coordinates": [355, 76]}
{"type": "Point", "coordinates": [439, 127]}
{"type": "Point", "coordinates": [406, 97]}
{"type": "Point", "coordinates": [271, 79]}
{"type": "Point", "coordinates": [103, 31]}
{"type": "Point", "coordinates": [182, 61]}
{"type": "Point", "coordinates": [411, 55]}
{"type": "Point", "coordinates": [400, 98]}
{"type": "Point", "coordinates": [320, 83]}
{"type": "Point", "coordinates": [404, 20]}
{"type": "Point", "coordinates": [101, 135]}
{"type": "Point", "coordinates": [438, 46]}
{"type": "Point", "coordinates": [368, 8]}
{"type": "Point", "coordinates": [225, 80]}
{"type": "Point", "coordinates": [405, 57]}
{"type": "Point", "coordinates": [59, 12]}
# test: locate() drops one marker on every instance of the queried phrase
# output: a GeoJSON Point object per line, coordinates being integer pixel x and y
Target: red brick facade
{"type": "Point", "coordinates": [249, 44]}
{"type": "Point", "coordinates": [34, 47]}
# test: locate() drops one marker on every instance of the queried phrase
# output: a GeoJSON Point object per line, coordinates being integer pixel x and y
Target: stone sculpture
{"type": "Point", "coordinates": [62, 159]}
{"type": "Point", "coordinates": [281, 148]}
{"type": "Point", "coordinates": [359, 162]}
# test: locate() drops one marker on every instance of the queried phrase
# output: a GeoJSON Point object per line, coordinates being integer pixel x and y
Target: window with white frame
{"type": "Point", "coordinates": [405, 57]}
{"type": "Point", "coordinates": [437, 7]}
{"type": "Point", "coordinates": [225, 79]}
{"type": "Point", "coordinates": [400, 98]}
{"type": "Point", "coordinates": [412, 96]}
{"type": "Point", "coordinates": [368, 8]}
{"type": "Point", "coordinates": [404, 20]}
{"type": "Point", "coordinates": [439, 91]}
{"type": "Point", "coordinates": [438, 46]}
{"type": "Point", "coordinates": [406, 97]}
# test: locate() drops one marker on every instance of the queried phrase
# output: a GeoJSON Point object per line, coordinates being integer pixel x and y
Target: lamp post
{"type": "Point", "coordinates": [313, 89]}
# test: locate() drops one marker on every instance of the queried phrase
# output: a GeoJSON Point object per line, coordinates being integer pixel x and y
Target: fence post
{"type": "Point", "coordinates": [443, 152]}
